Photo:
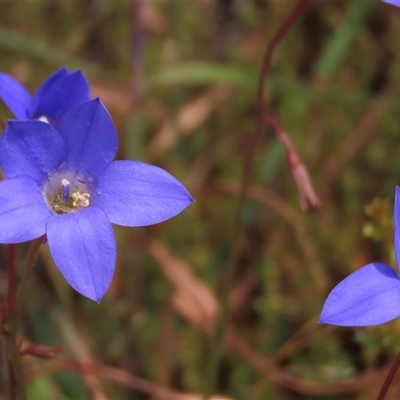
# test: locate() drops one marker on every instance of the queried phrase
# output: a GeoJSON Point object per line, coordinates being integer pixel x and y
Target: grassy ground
{"type": "Point", "coordinates": [180, 81]}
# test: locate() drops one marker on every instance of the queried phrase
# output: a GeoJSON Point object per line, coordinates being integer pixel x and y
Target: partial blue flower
{"type": "Point", "coordinates": [371, 295]}
{"type": "Point", "coordinates": [59, 92]}
{"type": "Point", "coordinates": [393, 2]}
{"type": "Point", "coordinates": [62, 181]}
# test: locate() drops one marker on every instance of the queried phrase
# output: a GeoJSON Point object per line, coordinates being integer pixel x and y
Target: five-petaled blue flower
{"type": "Point", "coordinates": [369, 296]}
{"type": "Point", "coordinates": [59, 92]}
{"type": "Point", "coordinates": [61, 181]}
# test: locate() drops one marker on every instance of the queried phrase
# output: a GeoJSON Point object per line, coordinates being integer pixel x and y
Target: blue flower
{"type": "Point", "coordinates": [59, 92]}
{"type": "Point", "coordinates": [62, 181]}
{"type": "Point", "coordinates": [369, 296]}
{"type": "Point", "coordinates": [393, 2]}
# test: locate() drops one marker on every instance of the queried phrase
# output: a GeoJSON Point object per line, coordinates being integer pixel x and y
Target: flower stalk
{"type": "Point", "coordinates": [9, 303]}
{"type": "Point", "coordinates": [389, 378]}
{"type": "Point", "coordinates": [17, 377]}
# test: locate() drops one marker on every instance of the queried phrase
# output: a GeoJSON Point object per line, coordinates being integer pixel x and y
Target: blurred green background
{"type": "Point", "coordinates": [180, 80]}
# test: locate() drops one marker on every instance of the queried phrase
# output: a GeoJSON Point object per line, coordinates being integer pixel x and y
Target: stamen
{"type": "Point", "coordinates": [66, 193]}
{"type": "Point", "coordinates": [80, 200]}
{"type": "Point", "coordinates": [65, 190]}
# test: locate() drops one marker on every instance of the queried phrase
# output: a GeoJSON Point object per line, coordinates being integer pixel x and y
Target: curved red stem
{"type": "Point", "coordinates": [10, 280]}
{"type": "Point", "coordinates": [389, 378]}
{"type": "Point", "coordinates": [279, 35]}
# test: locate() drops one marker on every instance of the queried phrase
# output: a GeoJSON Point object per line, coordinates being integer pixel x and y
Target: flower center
{"type": "Point", "coordinates": [66, 194]}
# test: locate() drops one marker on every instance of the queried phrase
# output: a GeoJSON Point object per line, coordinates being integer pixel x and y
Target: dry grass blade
{"type": "Point", "coordinates": [190, 117]}
{"type": "Point", "coordinates": [192, 298]}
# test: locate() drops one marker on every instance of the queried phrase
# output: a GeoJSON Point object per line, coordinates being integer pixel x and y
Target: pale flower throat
{"type": "Point", "coordinates": [64, 193]}
{"type": "Point", "coordinates": [43, 118]}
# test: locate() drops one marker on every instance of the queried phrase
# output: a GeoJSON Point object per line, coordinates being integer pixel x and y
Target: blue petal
{"type": "Point", "coordinates": [14, 95]}
{"type": "Point", "coordinates": [397, 225]}
{"type": "Point", "coordinates": [30, 148]}
{"type": "Point", "coordinates": [90, 136]}
{"type": "Point", "coordinates": [393, 2]}
{"type": "Point", "coordinates": [83, 247]}
{"type": "Point", "coordinates": [369, 296]}
{"type": "Point", "coordinates": [23, 212]}
{"type": "Point", "coordinates": [58, 93]}
{"type": "Point", "coordinates": [133, 193]}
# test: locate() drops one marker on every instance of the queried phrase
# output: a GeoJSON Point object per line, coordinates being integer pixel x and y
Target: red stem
{"type": "Point", "coordinates": [279, 35]}
{"type": "Point", "coordinates": [389, 378]}
{"type": "Point", "coordinates": [306, 192]}
{"type": "Point", "coordinates": [11, 281]}
{"type": "Point", "coordinates": [9, 307]}
{"type": "Point", "coordinates": [13, 385]}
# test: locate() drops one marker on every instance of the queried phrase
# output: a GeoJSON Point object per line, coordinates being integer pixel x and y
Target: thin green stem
{"type": "Point", "coordinates": [17, 377]}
